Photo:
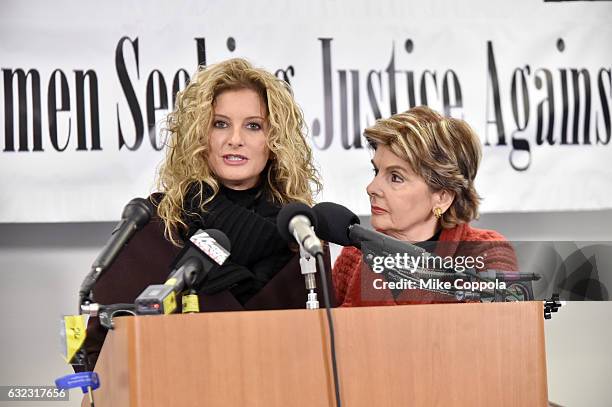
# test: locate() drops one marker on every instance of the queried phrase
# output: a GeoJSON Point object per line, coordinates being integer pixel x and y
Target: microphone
{"type": "Point", "coordinates": [516, 276]}
{"type": "Point", "coordinates": [296, 221]}
{"type": "Point", "coordinates": [339, 225]}
{"type": "Point", "coordinates": [299, 220]}
{"type": "Point", "coordinates": [136, 214]}
{"type": "Point", "coordinates": [206, 249]}
{"type": "Point", "coordinates": [333, 222]}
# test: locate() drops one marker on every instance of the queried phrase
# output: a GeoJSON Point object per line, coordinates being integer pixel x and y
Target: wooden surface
{"type": "Point", "coordinates": [420, 355]}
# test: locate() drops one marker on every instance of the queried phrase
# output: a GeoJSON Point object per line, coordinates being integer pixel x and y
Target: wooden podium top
{"type": "Point", "coordinates": [422, 355]}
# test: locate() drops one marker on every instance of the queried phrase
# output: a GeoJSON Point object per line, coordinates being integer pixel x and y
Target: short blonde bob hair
{"type": "Point", "coordinates": [444, 151]}
{"type": "Point", "coordinates": [290, 175]}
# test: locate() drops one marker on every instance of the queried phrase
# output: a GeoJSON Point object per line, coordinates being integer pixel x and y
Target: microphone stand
{"type": "Point", "coordinates": [106, 313]}
{"type": "Point", "coordinates": [308, 265]}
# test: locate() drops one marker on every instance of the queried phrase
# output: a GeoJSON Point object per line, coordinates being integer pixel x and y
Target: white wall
{"type": "Point", "coordinates": [42, 265]}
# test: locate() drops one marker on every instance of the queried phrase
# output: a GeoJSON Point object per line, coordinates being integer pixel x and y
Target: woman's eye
{"type": "Point", "coordinates": [253, 126]}
{"type": "Point", "coordinates": [220, 124]}
{"type": "Point", "coordinates": [396, 178]}
{"type": "Point", "coordinates": [375, 170]}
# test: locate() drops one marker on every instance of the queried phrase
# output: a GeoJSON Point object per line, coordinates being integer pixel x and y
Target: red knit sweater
{"type": "Point", "coordinates": [353, 282]}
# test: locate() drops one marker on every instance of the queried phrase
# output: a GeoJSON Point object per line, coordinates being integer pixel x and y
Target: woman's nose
{"type": "Point", "coordinates": [373, 188]}
{"type": "Point", "coordinates": [236, 139]}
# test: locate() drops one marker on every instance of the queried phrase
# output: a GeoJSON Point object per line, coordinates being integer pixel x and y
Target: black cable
{"type": "Point", "coordinates": [330, 323]}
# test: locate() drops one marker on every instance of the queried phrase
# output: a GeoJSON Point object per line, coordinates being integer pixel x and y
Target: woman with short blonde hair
{"type": "Point", "coordinates": [444, 151]}
{"type": "Point", "coordinates": [422, 191]}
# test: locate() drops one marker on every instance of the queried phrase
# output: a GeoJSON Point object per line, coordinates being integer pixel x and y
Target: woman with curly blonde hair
{"type": "Point", "coordinates": [236, 153]}
{"type": "Point", "coordinates": [288, 174]}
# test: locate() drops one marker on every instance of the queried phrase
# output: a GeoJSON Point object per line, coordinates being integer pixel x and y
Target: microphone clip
{"type": "Point", "coordinates": [106, 313]}
{"type": "Point", "coordinates": [308, 266]}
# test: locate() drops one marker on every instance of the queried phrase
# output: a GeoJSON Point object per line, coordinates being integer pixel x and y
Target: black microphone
{"type": "Point", "coordinates": [333, 222]}
{"type": "Point", "coordinates": [136, 214]}
{"type": "Point", "coordinates": [339, 225]}
{"type": "Point", "coordinates": [295, 221]}
{"type": "Point", "coordinates": [516, 276]}
{"type": "Point", "coordinates": [204, 251]}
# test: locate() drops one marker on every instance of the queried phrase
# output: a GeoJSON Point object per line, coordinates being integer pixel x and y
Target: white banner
{"type": "Point", "coordinates": [85, 88]}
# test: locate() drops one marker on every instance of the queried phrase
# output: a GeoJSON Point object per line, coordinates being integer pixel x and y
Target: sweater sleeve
{"type": "Point", "coordinates": [346, 269]}
{"type": "Point", "coordinates": [257, 250]}
{"type": "Point", "coordinates": [501, 257]}
{"type": "Point", "coordinates": [252, 235]}
{"type": "Point", "coordinates": [145, 260]}
{"type": "Point", "coordinates": [498, 252]}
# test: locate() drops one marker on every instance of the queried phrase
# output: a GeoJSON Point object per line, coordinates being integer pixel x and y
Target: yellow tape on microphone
{"type": "Point", "coordinates": [191, 303]}
{"type": "Point", "coordinates": [73, 334]}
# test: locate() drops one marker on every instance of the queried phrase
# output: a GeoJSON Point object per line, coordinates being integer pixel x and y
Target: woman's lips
{"type": "Point", "coordinates": [234, 159]}
{"type": "Point", "coordinates": [377, 210]}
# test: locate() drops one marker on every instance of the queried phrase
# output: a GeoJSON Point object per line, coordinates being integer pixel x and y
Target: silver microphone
{"type": "Point", "coordinates": [297, 221]}
{"type": "Point", "coordinates": [303, 232]}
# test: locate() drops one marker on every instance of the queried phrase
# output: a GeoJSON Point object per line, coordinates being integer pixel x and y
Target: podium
{"type": "Point", "coordinates": [421, 355]}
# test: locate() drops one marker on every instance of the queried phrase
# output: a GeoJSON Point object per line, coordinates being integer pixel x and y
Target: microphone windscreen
{"type": "Point", "coordinates": [220, 237]}
{"type": "Point", "coordinates": [333, 222]}
{"type": "Point", "coordinates": [138, 210]}
{"type": "Point", "coordinates": [288, 212]}
{"type": "Point", "coordinates": [213, 243]}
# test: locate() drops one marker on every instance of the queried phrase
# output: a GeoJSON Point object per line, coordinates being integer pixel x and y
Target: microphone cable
{"type": "Point", "coordinates": [330, 324]}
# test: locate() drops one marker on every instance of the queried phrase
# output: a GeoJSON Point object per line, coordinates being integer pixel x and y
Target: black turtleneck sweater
{"type": "Point", "coordinates": [248, 218]}
{"type": "Point", "coordinates": [258, 253]}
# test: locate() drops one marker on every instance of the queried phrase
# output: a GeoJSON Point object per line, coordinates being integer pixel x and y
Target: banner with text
{"type": "Point", "coordinates": [85, 89]}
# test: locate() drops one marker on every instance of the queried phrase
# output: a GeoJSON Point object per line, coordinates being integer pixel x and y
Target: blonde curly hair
{"type": "Point", "coordinates": [444, 151]}
{"type": "Point", "coordinates": [291, 175]}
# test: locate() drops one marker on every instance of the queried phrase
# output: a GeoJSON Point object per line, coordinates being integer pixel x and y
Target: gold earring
{"type": "Point", "coordinates": [437, 212]}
